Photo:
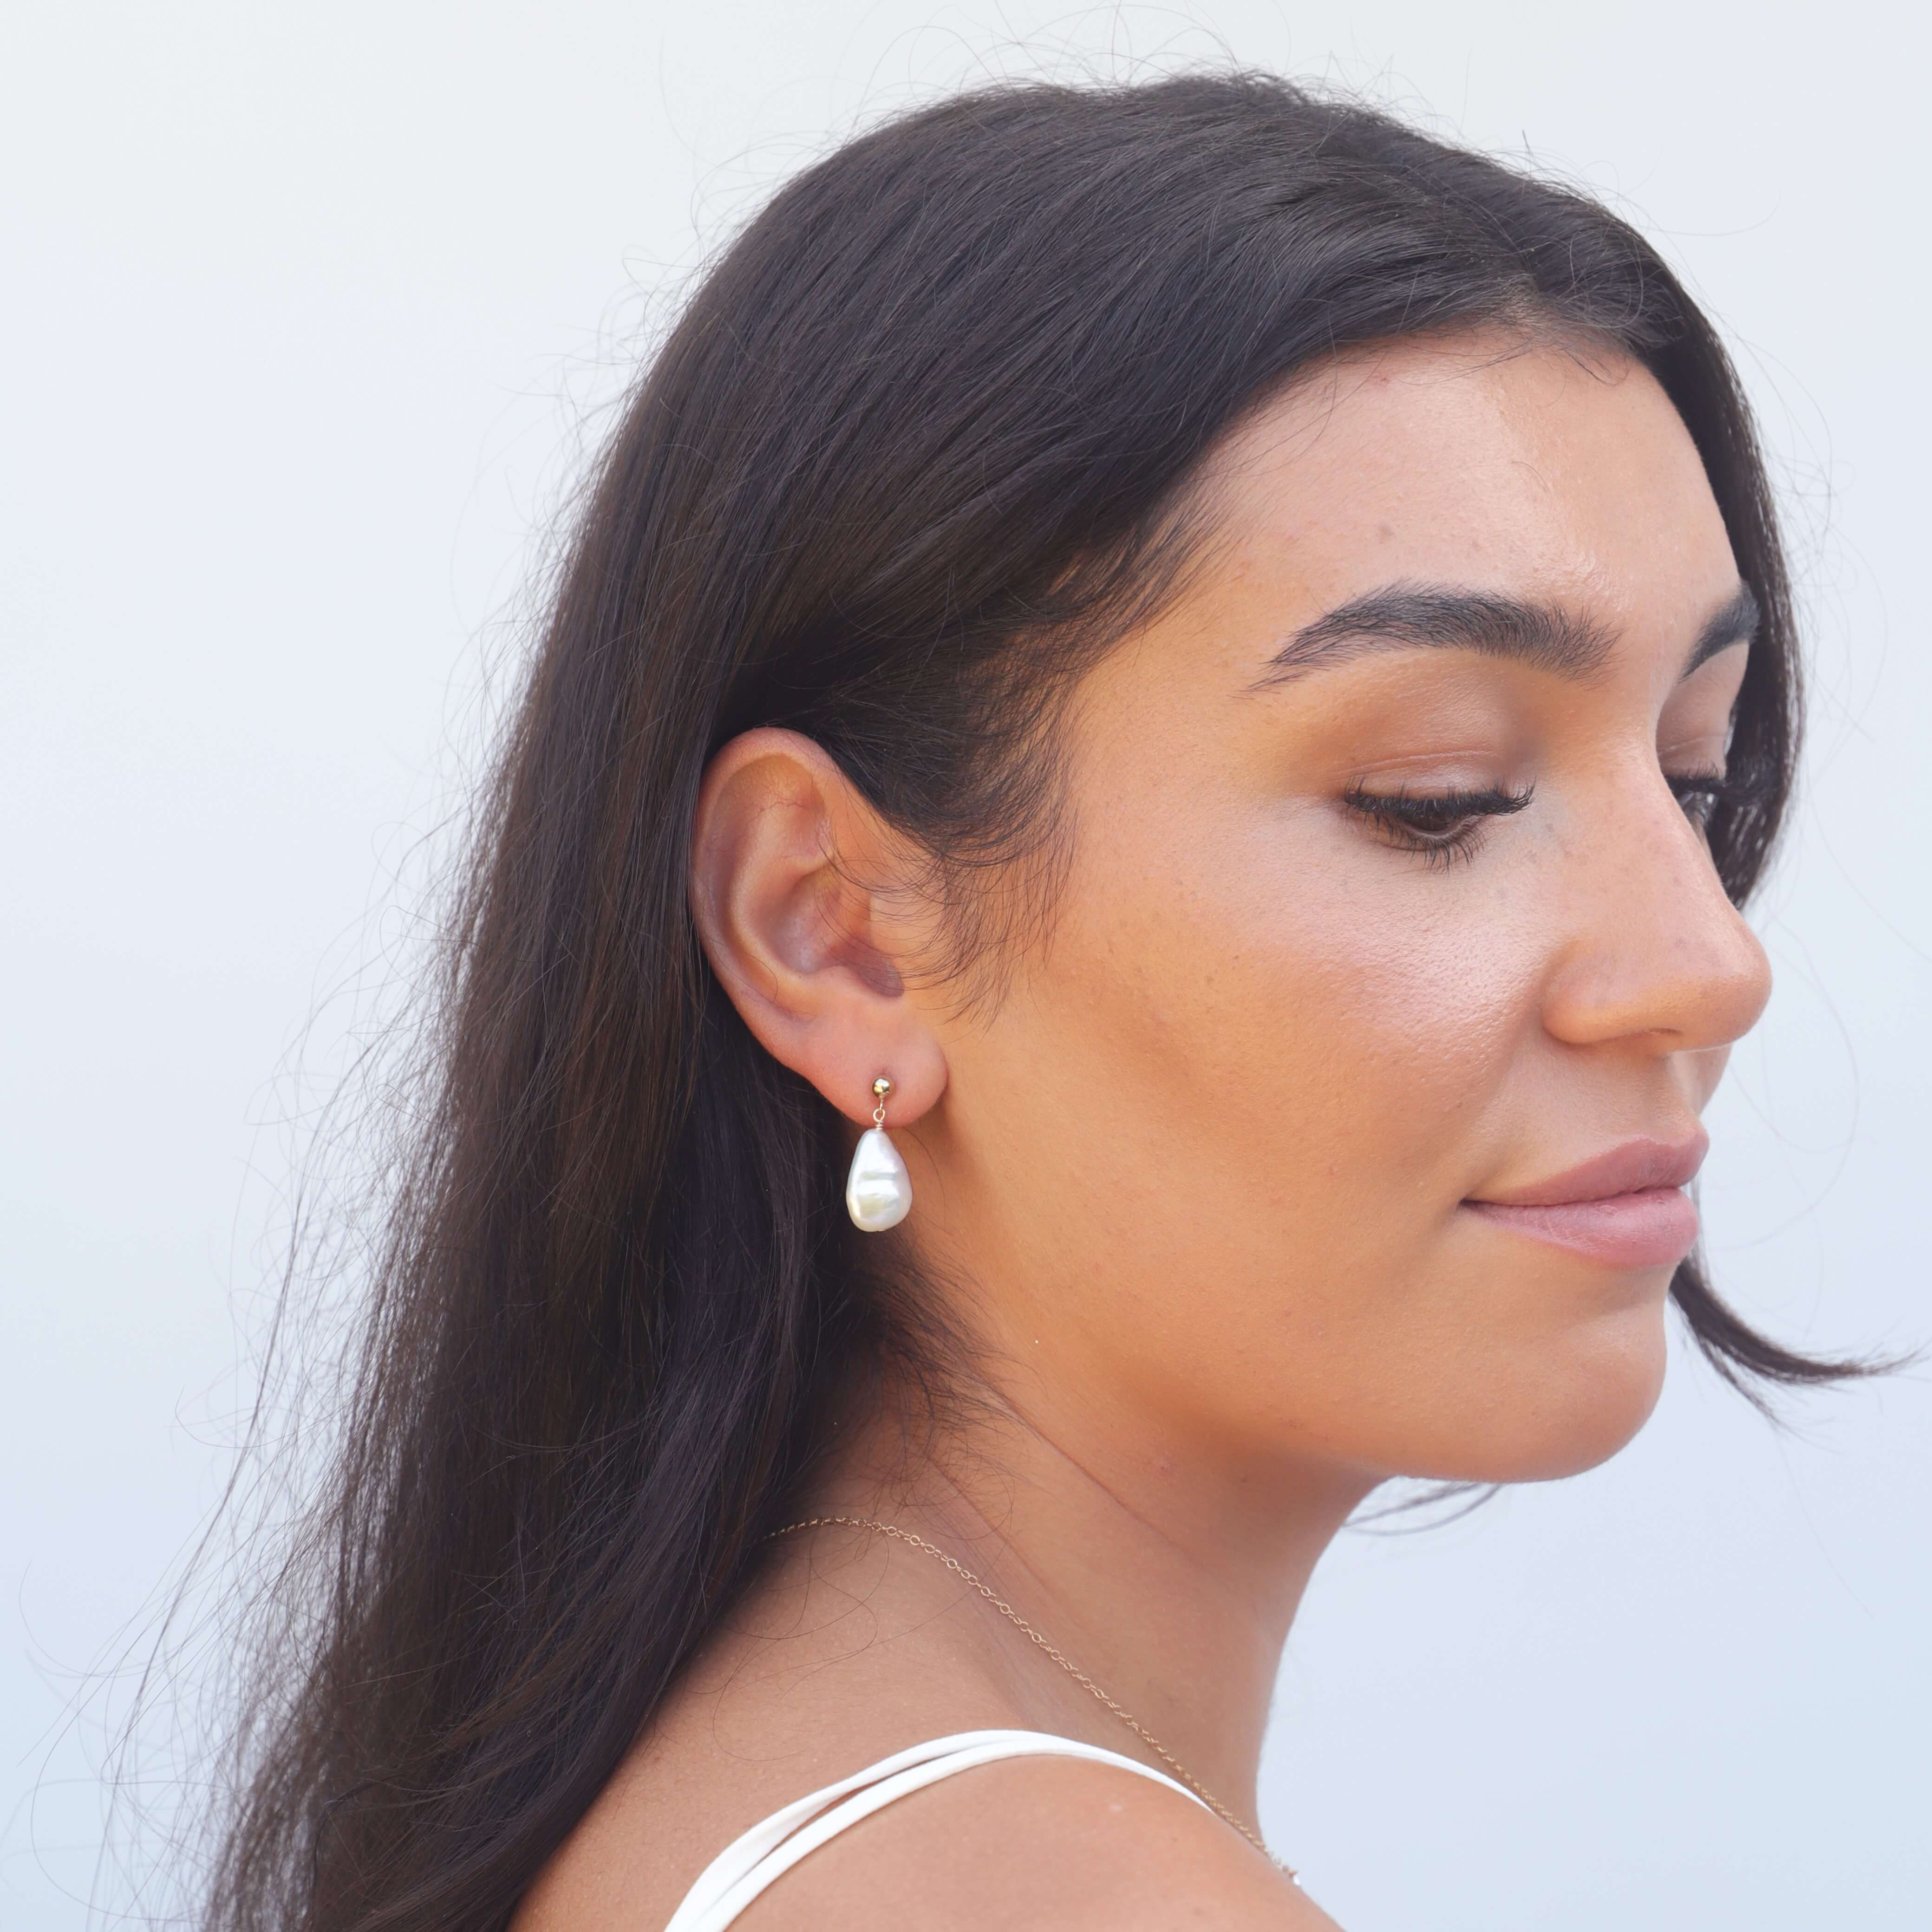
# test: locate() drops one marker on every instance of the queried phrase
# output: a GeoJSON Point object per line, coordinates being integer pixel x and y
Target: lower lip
{"type": "Point", "coordinates": [1656, 1227]}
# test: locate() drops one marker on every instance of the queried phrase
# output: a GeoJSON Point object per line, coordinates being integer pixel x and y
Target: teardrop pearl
{"type": "Point", "coordinates": [878, 1191]}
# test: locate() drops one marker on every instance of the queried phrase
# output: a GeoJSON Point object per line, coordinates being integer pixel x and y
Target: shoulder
{"type": "Point", "coordinates": [1038, 1843]}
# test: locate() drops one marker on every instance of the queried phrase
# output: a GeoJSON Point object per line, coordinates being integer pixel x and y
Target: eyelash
{"type": "Point", "coordinates": [1442, 827]}
{"type": "Point", "coordinates": [1700, 793]}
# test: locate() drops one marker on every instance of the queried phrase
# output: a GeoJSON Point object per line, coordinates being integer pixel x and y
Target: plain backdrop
{"type": "Point", "coordinates": [308, 314]}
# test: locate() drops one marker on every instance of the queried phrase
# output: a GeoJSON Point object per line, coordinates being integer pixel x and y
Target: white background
{"type": "Point", "coordinates": [303, 310]}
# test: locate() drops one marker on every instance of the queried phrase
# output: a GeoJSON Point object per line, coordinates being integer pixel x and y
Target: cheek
{"type": "Point", "coordinates": [1283, 1056]}
{"type": "Point", "coordinates": [1329, 1024]}
{"type": "Point", "coordinates": [1294, 1060]}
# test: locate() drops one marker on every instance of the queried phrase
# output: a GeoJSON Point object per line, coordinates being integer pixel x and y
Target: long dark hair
{"type": "Point", "coordinates": [911, 458]}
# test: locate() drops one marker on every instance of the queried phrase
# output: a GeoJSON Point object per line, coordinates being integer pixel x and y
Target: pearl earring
{"type": "Point", "coordinates": [878, 1191]}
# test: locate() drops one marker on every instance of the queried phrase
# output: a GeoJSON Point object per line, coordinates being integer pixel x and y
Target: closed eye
{"type": "Point", "coordinates": [1699, 793]}
{"type": "Point", "coordinates": [1440, 827]}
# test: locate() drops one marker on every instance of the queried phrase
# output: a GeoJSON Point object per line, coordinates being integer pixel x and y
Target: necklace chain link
{"type": "Point", "coordinates": [1040, 1642]}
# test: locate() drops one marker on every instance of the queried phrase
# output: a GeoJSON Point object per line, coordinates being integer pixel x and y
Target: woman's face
{"type": "Point", "coordinates": [1390, 946]}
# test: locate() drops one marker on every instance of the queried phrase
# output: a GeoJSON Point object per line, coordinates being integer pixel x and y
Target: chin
{"type": "Point", "coordinates": [1558, 1409]}
{"type": "Point", "coordinates": [1605, 1390]}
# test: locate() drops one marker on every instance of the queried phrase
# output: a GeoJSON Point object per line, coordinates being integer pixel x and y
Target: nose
{"type": "Point", "coordinates": [1656, 950]}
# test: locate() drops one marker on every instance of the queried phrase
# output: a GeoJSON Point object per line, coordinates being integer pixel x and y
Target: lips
{"type": "Point", "coordinates": [1624, 1208]}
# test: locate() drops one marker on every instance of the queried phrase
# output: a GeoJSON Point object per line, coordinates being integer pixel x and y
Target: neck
{"type": "Point", "coordinates": [1170, 1577]}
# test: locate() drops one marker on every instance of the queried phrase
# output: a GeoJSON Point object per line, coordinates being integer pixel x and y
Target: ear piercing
{"type": "Point", "coordinates": [878, 1190]}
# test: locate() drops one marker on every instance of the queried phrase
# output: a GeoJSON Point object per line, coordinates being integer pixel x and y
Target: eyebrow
{"type": "Point", "coordinates": [1545, 637]}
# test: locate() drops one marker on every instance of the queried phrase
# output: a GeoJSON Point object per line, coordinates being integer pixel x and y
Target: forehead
{"type": "Point", "coordinates": [1485, 460]}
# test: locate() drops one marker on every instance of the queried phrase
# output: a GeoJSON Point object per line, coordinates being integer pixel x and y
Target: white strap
{"type": "Point", "coordinates": [769, 1850]}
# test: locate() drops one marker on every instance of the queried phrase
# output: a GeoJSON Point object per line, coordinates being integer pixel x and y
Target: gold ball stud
{"type": "Point", "coordinates": [881, 1088]}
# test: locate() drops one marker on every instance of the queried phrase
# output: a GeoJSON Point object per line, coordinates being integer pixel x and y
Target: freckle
{"type": "Point", "coordinates": [1385, 531]}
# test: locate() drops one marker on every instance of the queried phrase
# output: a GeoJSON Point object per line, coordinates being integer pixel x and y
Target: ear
{"type": "Point", "coordinates": [792, 887]}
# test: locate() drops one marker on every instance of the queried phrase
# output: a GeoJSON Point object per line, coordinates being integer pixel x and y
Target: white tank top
{"type": "Point", "coordinates": [768, 1851]}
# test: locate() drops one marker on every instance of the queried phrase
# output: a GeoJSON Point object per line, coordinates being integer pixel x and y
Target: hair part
{"type": "Point", "coordinates": [919, 450]}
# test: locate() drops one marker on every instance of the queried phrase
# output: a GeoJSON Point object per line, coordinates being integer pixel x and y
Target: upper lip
{"type": "Point", "coordinates": [1626, 1168]}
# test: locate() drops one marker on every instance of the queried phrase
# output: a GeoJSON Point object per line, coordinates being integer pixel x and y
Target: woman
{"type": "Point", "coordinates": [1105, 924]}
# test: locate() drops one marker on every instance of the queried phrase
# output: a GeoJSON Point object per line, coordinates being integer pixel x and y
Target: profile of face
{"type": "Point", "coordinates": [1385, 942]}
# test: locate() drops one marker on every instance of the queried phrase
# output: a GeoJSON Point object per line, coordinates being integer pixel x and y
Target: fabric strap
{"type": "Point", "coordinates": [769, 1850]}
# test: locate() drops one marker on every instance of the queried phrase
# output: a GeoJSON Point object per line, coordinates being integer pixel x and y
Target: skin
{"type": "Point", "coordinates": [1195, 1185]}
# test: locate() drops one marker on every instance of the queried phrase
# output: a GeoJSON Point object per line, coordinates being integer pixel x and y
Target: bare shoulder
{"type": "Point", "coordinates": [805, 1691]}
{"type": "Point", "coordinates": [1038, 1843]}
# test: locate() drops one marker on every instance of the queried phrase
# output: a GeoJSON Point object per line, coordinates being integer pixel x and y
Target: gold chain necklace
{"type": "Point", "coordinates": [1066, 1663]}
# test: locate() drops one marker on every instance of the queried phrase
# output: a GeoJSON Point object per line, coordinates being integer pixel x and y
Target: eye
{"type": "Point", "coordinates": [1442, 826]}
{"type": "Point", "coordinates": [1699, 793]}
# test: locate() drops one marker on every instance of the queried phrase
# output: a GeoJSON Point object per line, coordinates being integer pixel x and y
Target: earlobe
{"type": "Point", "coordinates": [797, 905]}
